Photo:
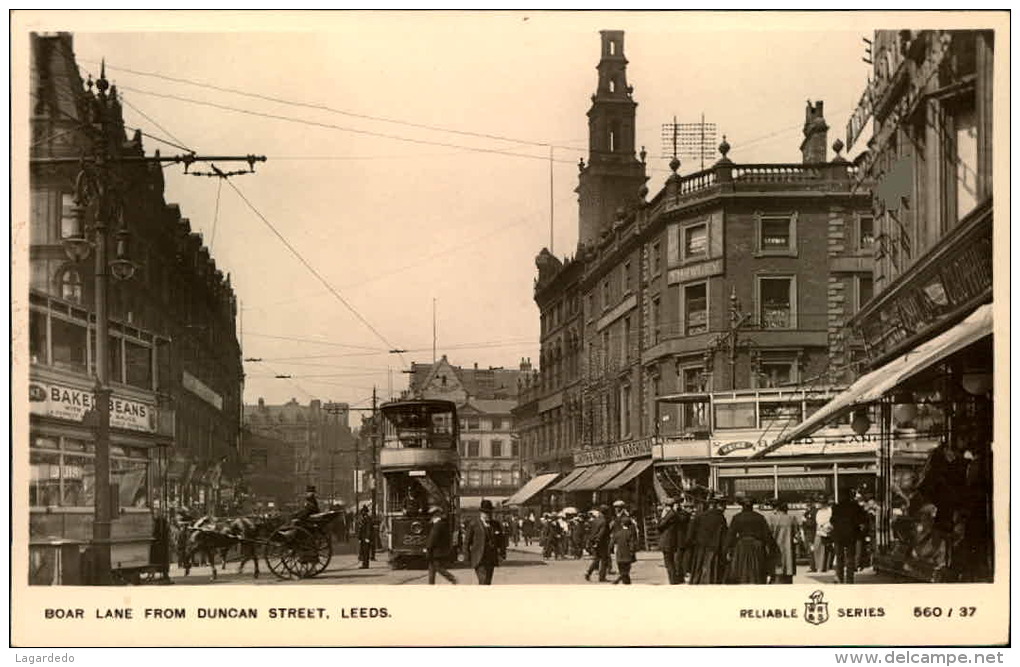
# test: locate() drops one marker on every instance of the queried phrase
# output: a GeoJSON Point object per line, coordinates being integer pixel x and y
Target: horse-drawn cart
{"type": "Point", "coordinates": [301, 549]}
{"type": "Point", "coordinates": [298, 549]}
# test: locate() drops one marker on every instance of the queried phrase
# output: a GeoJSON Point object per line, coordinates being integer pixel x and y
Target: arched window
{"type": "Point", "coordinates": [69, 284]}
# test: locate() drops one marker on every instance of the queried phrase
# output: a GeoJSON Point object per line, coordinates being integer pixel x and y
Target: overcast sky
{"type": "Point", "coordinates": [392, 222]}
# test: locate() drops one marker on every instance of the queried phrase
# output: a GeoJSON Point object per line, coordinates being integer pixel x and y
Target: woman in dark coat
{"type": "Point", "coordinates": [750, 546]}
{"type": "Point", "coordinates": [706, 537]}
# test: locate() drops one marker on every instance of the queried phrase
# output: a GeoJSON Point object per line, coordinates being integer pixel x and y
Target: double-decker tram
{"type": "Point", "coordinates": [420, 469]}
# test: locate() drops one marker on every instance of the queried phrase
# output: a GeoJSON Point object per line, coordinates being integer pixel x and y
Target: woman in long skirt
{"type": "Point", "coordinates": [750, 545]}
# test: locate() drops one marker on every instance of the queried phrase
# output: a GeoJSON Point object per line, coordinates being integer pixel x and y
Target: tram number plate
{"type": "Point", "coordinates": [414, 540]}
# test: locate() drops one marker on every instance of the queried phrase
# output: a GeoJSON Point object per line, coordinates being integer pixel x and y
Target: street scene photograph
{"type": "Point", "coordinates": [591, 299]}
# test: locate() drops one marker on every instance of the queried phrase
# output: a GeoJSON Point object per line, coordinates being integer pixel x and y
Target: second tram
{"type": "Point", "coordinates": [420, 469]}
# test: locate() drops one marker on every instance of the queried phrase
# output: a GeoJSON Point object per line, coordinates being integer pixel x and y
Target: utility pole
{"type": "Point", "coordinates": [96, 191]}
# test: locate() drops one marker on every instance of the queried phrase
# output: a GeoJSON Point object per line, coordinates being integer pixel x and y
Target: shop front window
{"type": "Point", "coordinates": [44, 487]}
{"type": "Point", "coordinates": [804, 488]}
{"type": "Point", "coordinates": [132, 479]}
{"type": "Point", "coordinates": [79, 481]}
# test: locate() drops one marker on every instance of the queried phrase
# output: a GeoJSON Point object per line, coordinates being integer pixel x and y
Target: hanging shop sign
{"type": "Point", "coordinates": [622, 452]}
{"type": "Point", "coordinates": [202, 390]}
{"type": "Point", "coordinates": [71, 403]}
{"type": "Point", "coordinates": [960, 274]}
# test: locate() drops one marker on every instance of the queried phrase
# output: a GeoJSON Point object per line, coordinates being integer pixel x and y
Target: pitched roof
{"type": "Point", "coordinates": [484, 383]}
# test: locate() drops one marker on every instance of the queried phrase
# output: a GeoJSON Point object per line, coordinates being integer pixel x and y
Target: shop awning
{"type": "Point", "coordinates": [877, 383]}
{"type": "Point", "coordinates": [531, 489]}
{"type": "Point", "coordinates": [629, 473]}
{"type": "Point", "coordinates": [569, 479]}
{"type": "Point", "coordinates": [601, 475]}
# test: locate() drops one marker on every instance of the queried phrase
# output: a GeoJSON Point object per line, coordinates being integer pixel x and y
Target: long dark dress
{"type": "Point", "coordinates": [751, 546]}
{"type": "Point", "coordinates": [706, 539]}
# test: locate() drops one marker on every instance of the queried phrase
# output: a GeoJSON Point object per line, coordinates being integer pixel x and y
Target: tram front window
{"type": "Point", "coordinates": [412, 495]}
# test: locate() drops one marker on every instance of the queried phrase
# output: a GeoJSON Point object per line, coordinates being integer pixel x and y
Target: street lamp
{"type": "Point", "coordinates": [92, 190]}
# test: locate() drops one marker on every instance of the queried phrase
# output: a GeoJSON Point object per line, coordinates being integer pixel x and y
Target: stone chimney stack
{"type": "Point", "coordinates": [816, 133]}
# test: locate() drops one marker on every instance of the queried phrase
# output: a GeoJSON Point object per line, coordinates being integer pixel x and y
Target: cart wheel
{"type": "Point", "coordinates": [302, 556]}
{"type": "Point", "coordinates": [323, 550]}
{"type": "Point", "coordinates": [276, 549]}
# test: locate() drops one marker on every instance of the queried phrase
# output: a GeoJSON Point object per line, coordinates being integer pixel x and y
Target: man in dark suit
{"type": "Point", "coordinates": [483, 543]}
{"type": "Point", "coordinates": [598, 543]}
{"type": "Point", "coordinates": [669, 524]}
{"type": "Point", "coordinates": [437, 546]}
{"type": "Point", "coordinates": [848, 523]}
{"type": "Point", "coordinates": [364, 537]}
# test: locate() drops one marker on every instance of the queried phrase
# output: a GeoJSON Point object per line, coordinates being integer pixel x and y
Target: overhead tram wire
{"type": "Point", "coordinates": [331, 126]}
{"type": "Point", "coordinates": [316, 341]}
{"type": "Point", "coordinates": [313, 271]}
{"type": "Point", "coordinates": [179, 144]}
{"type": "Point", "coordinates": [323, 107]}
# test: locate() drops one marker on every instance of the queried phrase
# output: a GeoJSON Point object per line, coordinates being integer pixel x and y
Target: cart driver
{"type": "Point", "coordinates": [310, 507]}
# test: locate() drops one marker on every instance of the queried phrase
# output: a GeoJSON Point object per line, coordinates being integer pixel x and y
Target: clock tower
{"type": "Point", "coordinates": [613, 176]}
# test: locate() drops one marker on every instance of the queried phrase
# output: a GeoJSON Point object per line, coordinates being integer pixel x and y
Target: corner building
{"type": "Point", "coordinates": [738, 278]}
{"type": "Point", "coordinates": [175, 361]}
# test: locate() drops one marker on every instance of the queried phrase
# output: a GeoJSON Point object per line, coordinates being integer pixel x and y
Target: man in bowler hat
{"type": "Point", "coordinates": [483, 543]}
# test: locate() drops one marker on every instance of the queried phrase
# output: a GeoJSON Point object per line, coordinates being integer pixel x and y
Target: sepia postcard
{"type": "Point", "coordinates": [666, 328]}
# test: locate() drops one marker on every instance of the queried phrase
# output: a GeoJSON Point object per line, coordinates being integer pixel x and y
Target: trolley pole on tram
{"type": "Point", "coordinates": [375, 435]}
{"type": "Point", "coordinates": [97, 194]}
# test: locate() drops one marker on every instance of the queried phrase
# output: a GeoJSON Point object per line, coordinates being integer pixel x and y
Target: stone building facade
{"type": "Point", "coordinates": [319, 449]}
{"type": "Point", "coordinates": [736, 277]}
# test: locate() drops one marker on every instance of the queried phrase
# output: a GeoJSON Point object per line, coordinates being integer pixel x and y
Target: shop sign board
{"type": "Point", "coordinates": [621, 452]}
{"type": "Point", "coordinates": [842, 441]}
{"type": "Point", "coordinates": [71, 403]}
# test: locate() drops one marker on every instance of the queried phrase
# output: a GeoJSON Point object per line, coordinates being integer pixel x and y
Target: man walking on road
{"type": "Point", "coordinates": [483, 544]}
{"type": "Point", "coordinates": [598, 543]}
{"type": "Point", "coordinates": [364, 537]}
{"type": "Point", "coordinates": [437, 547]}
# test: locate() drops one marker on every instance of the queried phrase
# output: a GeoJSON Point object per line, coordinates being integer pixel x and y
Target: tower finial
{"type": "Point", "coordinates": [102, 84]}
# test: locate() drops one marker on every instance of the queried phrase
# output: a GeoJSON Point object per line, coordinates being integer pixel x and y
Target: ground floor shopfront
{"type": "Point", "coordinates": [935, 519]}
{"type": "Point", "coordinates": [603, 475]}
{"type": "Point", "coordinates": [62, 479]}
{"type": "Point", "coordinates": [822, 469]}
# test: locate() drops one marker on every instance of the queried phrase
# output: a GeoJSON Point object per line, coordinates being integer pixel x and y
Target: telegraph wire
{"type": "Point", "coordinates": [312, 269]}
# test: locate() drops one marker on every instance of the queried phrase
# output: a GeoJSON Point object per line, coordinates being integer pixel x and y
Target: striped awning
{"type": "Point", "coordinates": [877, 383]}
{"type": "Point", "coordinates": [531, 489]}
{"type": "Point", "coordinates": [629, 473]}
{"type": "Point", "coordinates": [569, 479]}
{"type": "Point", "coordinates": [600, 476]}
